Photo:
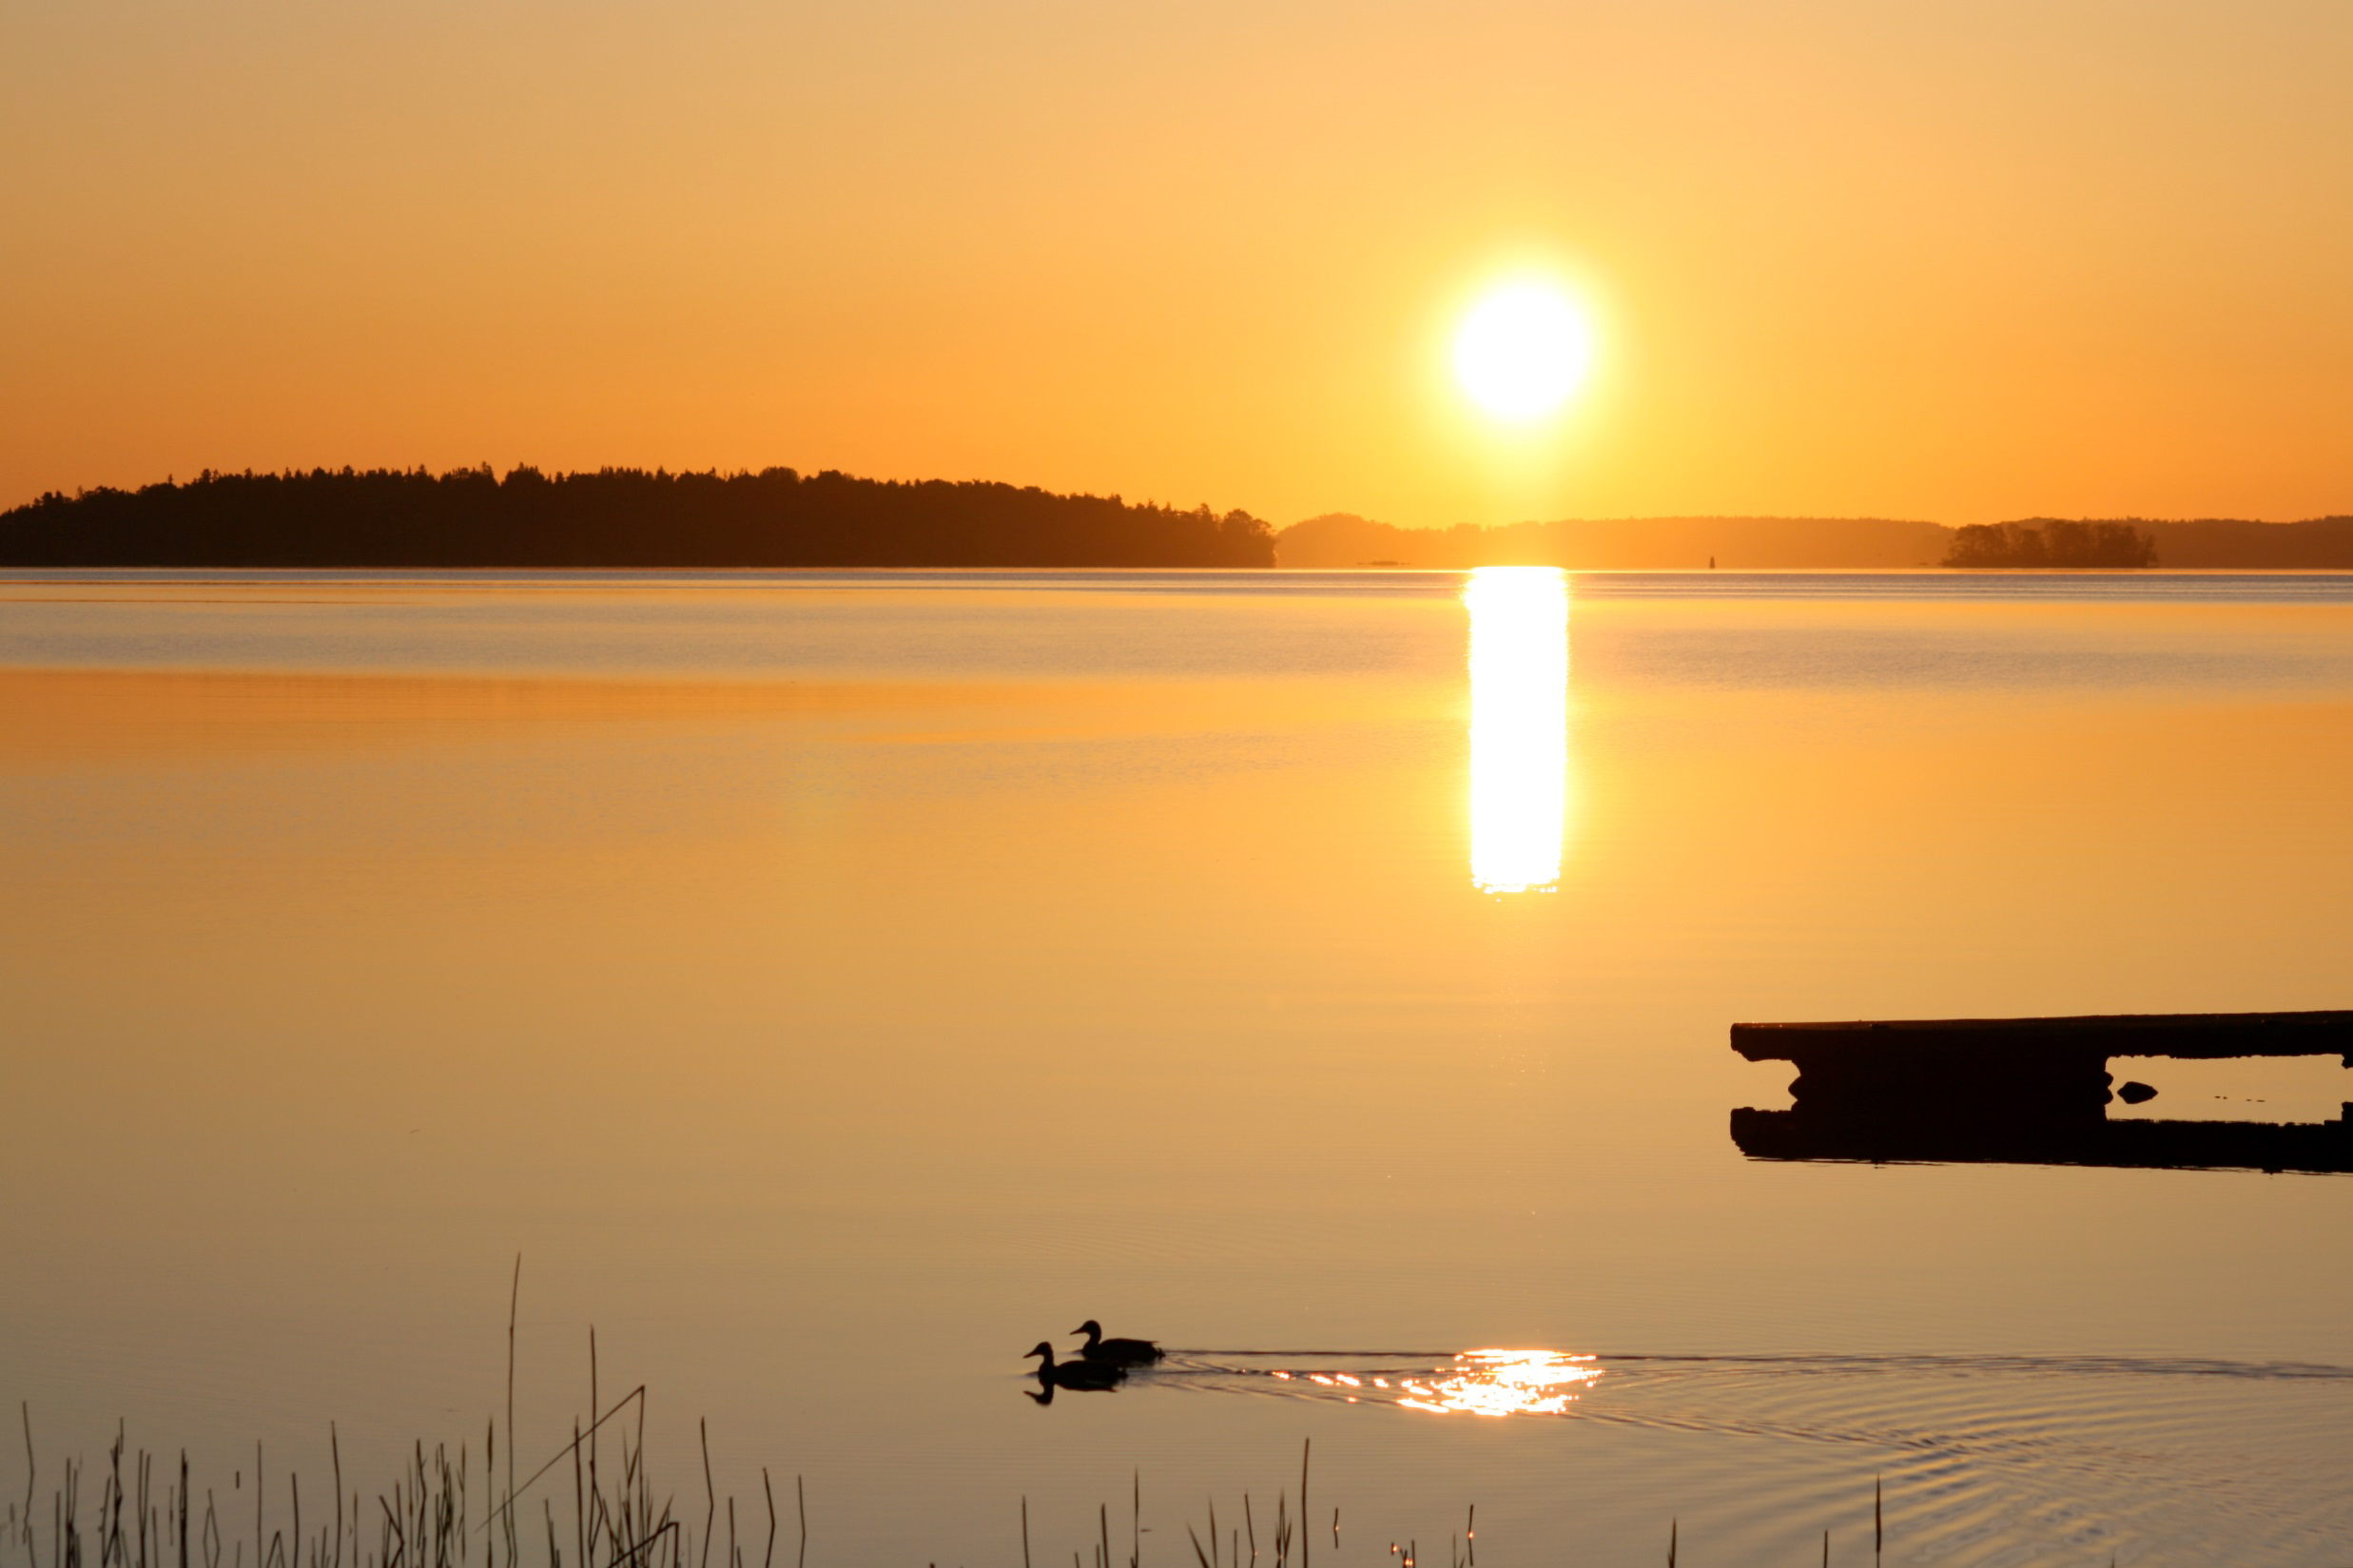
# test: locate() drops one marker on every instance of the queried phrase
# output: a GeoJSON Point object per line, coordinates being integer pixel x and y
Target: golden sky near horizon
{"type": "Point", "coordinates": [1949, 261]}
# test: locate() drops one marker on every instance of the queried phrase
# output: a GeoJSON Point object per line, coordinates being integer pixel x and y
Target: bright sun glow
{"type": "Point", "coordinates": [1519, 726]}
{"type": "Point", "coordinates": [1522, 351]}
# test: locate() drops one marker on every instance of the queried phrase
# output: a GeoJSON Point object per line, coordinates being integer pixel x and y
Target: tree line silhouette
{"type": "Point", "coordinates": [2050, 542]}
{"type": "Point", "coordinates": [613, 517]}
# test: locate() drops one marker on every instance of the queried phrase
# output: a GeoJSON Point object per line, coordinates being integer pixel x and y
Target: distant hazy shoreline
{"type": "Point", "coordinates": [1663, 543]}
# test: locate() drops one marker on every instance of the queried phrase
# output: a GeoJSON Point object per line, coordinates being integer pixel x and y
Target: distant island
{"type": "Point", "coordinates": [2050, 542]}
{"type": "Point", "coordinates": [1670, 544]}
{"type": "Point", "coordinates": [613, 517]}
{"type": "Point", "coordinates": [779, 518]}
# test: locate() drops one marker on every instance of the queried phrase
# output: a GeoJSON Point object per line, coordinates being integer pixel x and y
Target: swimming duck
{"type": "Point", "coordinates": [1099, 1351]}
{"type": "Point", "coordinates": [1076, 1374]}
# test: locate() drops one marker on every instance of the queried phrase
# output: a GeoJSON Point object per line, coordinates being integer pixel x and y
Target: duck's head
{"type": "Point", "coordinates": [1090, 1329]}
{"type": "Point", "coordinates": [1043, 1349]}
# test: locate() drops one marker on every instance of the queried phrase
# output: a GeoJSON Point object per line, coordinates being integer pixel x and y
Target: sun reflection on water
{"type": "Point", "coordinates": [1474, 1382]}
{"type": "Point", "coordinates": [1504, 1382]}
{"type": "Point", "coordinates": [1519, 726]}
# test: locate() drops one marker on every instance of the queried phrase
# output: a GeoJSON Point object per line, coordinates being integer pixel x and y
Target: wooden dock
{"type": "Point", "coordinates": [2030, 1090]}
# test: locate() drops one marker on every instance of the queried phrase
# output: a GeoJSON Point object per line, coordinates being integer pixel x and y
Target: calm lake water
{"type": "Point", "coordinates": [831, 984]}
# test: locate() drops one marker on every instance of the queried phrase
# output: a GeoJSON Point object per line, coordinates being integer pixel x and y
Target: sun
{"type": "Point", "coordinates": [1523, 350]}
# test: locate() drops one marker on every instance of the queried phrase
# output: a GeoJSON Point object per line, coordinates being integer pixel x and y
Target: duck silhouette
{"type": "Point", "coordinates": [1074, 1374]}
{"type": "Point", "coordinates": [1098, 1351]}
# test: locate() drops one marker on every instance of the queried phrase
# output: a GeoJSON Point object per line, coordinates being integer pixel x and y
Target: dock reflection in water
{"type": "Point", "coordinates": [1519, 726]}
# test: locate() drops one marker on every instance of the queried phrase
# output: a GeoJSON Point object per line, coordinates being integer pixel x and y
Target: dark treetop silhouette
{"type": "Point", "coordinates": [2052, 542]}
{"type": "Point", "coordinates": [615, 517]}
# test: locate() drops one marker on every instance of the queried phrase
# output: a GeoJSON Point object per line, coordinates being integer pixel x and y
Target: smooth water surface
{"type": "Point", "coordinates": [831, 984]}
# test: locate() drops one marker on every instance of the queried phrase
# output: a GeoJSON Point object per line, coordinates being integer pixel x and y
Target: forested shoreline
{"type": "Point", "coordinates": [613, 517]}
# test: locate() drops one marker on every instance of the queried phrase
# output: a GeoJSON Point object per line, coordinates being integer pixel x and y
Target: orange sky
{"type": "Point", "coordinates": [1947, 261]}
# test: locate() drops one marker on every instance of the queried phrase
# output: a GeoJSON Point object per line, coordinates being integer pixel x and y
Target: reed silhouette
{"type": "Point", "coordinates": [451, 1510]}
